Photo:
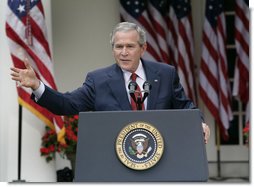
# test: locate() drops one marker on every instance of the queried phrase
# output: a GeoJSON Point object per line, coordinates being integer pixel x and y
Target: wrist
{"type": "Point", "coordinates": [36, 85]}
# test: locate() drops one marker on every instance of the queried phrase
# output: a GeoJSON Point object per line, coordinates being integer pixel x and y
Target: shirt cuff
{"type": "Point", "coordinates": [39, 91]}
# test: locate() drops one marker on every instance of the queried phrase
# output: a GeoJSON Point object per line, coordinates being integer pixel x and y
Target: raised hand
{"type": "Point", "coordinates": [25, 77]}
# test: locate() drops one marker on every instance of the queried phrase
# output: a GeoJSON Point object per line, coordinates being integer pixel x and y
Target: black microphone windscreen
{"type": "Point", "coordinates": [132, 86]}
{"type": "Point", "coordinates": [147, 86]}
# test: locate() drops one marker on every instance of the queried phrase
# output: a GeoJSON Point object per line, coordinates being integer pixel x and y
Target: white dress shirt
{"type": "Point", "coordinates": [39, 91]}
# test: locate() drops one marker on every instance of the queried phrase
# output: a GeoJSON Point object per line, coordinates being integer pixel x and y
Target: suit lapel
{"type": "Point", "coordinates": [154, 79]}
{"type": "Point", "coordinates": [117, 86]}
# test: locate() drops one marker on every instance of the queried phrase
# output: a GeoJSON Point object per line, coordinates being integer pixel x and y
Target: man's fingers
{"type": "Point", "coordinates": [15, 69]}
{"type": "Point", "coordinates": [206, 136]}
{"type": "Point", "coordinates": [206, 132]}
{"type": "Point", "coordinates": [15, 78]}
{"type": "Point", "coordinates": [26, 62]}
{"type": "Point", "coordinates": [14, 75]}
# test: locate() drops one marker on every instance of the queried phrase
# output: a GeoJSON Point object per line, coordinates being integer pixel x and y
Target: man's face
{"type": "Point", "coordinates": [127, 51]}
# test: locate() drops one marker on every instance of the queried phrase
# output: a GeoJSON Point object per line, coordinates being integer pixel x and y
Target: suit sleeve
{"type": "Point", "coordinates": [70, 103]}
{"type": "Point", "coordinates": [180, 101]}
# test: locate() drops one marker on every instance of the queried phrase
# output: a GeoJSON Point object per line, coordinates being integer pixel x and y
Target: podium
{"type": "Point", "coordinates": [183, 157]}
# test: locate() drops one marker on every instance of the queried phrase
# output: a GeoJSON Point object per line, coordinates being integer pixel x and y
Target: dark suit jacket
{"type": "Point", "coordinates": [104, 90]}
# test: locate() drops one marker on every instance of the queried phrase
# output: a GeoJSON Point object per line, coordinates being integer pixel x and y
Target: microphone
{"type": "Point", "coordinates": [132, 89]}
{"type": "Point", "coordinates": [147, 87]}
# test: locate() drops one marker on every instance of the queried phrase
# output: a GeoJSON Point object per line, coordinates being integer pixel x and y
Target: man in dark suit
{"type": "Point", "coordinates": [107, 89]}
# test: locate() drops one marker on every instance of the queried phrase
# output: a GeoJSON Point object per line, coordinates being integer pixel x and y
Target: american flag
{"type": "Point", "coordinates": [242, 38]}
{"type": "Point", "coordinates": [168, 25]}
{"type": "Point", "coordinates": [27, 37]}
{"type": "Point", "coordinates": [214, 83]}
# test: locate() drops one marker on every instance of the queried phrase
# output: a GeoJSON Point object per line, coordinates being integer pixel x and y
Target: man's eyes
{"type": "Point", "coordinates": [127, 46]}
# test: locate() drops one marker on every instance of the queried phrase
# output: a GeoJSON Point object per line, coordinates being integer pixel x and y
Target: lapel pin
{"type": "Point", "coordinates": [155, 80]}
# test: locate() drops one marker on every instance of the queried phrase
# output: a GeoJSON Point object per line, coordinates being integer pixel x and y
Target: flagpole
{"type": "Point", "coordinates": [218, 152]}
{"type": "Point", "coordinates": [19, 145]}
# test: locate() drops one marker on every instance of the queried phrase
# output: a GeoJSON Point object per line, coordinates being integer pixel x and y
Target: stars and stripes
{"type": "Point", "coordinates": [26, 31]}
{"type": "Point", "coordinates": [214, 83]}
{"type": "Point", "coordinates": [242, 38]}
{"type": "Point", "coordinates": [168, 26]}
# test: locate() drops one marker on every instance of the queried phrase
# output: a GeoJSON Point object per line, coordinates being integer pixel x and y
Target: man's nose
{"type": "Point", "coordinates": [124, 51]}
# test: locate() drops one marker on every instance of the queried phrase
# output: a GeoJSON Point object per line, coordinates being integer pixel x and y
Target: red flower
{"type": "Point", "coordinates": [246, 131]}
{"type": "Point", "coordinates": [44, 150]}
{"type": "Point", "coordinates": [51, 148]}
{"type": "Point", "coordinates": [50, 145]}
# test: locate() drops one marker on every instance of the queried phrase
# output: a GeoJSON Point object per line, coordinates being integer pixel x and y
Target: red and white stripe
{"type": "Point", "coordinates": [185, 59]}
{"type": "Point", "coordinates": [242, 38]}
{"type": "Point", "coordinates": [159, 27]}
{"type": "Point", "coordinates": [214, 83]}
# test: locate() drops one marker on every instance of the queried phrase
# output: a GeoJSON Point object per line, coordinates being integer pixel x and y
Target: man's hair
{"type": "Point", "coordinates": [127, 26]}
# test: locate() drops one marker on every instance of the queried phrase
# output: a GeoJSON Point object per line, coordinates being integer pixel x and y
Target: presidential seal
{"type": "Point", "coordinates": [139, 145]}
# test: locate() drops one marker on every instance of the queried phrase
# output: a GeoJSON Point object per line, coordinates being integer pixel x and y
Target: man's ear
{"type": "Point", "coordinates": [144, 47]}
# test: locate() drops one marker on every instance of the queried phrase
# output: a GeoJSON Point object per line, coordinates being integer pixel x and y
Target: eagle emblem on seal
{"type": "Point", "coordinates": [139, 146]}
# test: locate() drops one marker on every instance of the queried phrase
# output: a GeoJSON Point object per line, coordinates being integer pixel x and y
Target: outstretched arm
{"type": "Point", "coordinates": [26, 77]}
